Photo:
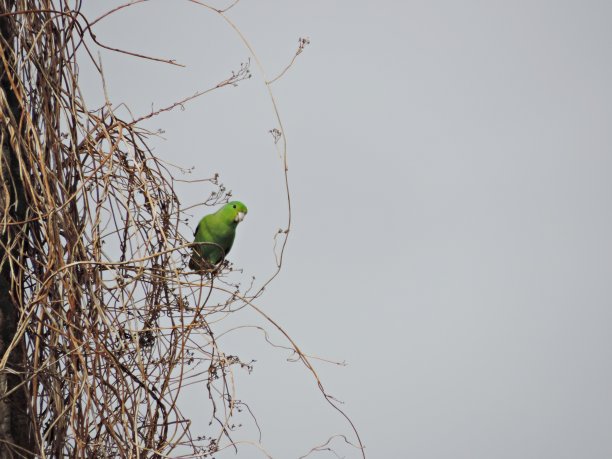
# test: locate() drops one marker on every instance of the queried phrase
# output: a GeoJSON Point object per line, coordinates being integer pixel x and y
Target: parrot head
{"type": "Point", "coordinates": [234, 211]}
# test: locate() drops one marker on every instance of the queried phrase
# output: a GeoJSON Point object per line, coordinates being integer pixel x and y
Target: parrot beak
{"type": "Point", "coordinates": [239, 217]}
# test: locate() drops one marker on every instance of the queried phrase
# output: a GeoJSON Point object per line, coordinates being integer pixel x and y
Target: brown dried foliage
{"type": "Point", "coordinates": [101, 323]}
{"type": "Point", "coordinates": [103, 343]}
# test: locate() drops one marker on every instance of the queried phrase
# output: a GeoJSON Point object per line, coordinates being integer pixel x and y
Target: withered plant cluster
{"type": "Point", "coordinates": [101, 324]}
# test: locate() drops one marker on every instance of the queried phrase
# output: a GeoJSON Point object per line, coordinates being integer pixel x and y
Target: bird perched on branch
{"type": "Point", "coordinates": [216, 232]}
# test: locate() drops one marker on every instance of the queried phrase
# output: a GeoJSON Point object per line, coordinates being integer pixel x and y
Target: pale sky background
{"type": "Point", "coordinates": [451, 174]}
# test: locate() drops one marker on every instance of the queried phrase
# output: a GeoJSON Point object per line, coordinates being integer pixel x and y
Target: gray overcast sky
{"type": "Point", "coordinates": [450, 165]}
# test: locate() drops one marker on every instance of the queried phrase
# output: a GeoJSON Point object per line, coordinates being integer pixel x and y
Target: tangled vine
{"type": "Point", "coordinates": [101, 322]}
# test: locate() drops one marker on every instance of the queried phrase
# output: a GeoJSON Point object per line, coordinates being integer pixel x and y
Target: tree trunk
{"type": "Point", "coordinates": [15, 432]}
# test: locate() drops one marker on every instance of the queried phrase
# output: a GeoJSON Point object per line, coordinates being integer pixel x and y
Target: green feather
{"type": "Point", "coordinates": [216, 233]}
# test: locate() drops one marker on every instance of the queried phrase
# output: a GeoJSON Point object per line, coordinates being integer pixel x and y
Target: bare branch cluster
{"type": "Point", "coordinates": [102, 325]}
{"type": "Point", "coordinates": [109, 325]}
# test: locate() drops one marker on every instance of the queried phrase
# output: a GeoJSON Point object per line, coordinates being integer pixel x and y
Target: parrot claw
{"type": "Point", "coordinates": [205, 268]}
{"type": "Point", "coordinates": [197, 263]}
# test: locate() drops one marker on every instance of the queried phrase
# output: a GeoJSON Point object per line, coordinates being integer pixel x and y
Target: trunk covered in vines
{"type": "Point", "coordinates": [15, 428]}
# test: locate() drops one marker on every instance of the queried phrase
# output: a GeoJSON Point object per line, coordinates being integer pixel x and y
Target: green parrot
{"type": "Point", "coordinates": [219, 230]}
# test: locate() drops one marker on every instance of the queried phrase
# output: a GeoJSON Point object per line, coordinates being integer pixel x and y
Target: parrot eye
{"type": "Point", "coordinates": [234, 206]}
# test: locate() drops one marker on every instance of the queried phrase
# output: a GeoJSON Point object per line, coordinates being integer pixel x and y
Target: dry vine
{"type": "Point", "coordinates": [105, 323]}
